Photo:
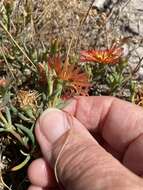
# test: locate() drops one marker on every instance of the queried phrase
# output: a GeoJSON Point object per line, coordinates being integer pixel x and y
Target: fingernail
{"type": "Point", "coordinates": [53, 124]}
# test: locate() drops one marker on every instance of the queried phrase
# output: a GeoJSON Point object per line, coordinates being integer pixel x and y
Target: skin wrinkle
{"type": "Point", "coordinates": [91, 169]}
{"type": "Point", "coordinates": [132, 139]}
{"type": "Point", "coordinates": [129, 147]}
{"type": "Point", "coordinates": [90, 120]}
{"type": "Point", "coordinates": [105, 116]}
{"type": "Point", "coordinates": [74, 157]}
{"type": "Point", "coordinates": [76, 154]}
{"type": "Point", "coordinates": [103, 123]}
{"type": "Point", "coordinates": [87, 114]}
{"type": "Point", "coordinates": [119, 180]}
{"type": "Point", "coordinates": [131, 144]}
{"type": "Point", "coordinates": [106, 171]}
{"type": "Point", "coordinates": [74, 166]}
{"type": "Point", "coordinates": [76, 113]}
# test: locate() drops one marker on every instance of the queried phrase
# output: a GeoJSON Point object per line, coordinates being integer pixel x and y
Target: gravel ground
{"type": "Point", "coordinates": [90, 24]}
{"type": "Point", "coordinates": [107, 21]}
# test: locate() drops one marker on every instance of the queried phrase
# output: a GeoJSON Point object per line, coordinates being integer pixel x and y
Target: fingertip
{"type": "Point", "coordinates": [49, 127]}
{"type": "Point", "coordinates": [32, 187]}
{"type": "Point", "coordinates": [40, 173]}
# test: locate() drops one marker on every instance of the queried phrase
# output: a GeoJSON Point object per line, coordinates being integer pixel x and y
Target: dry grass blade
{"type": "Point", "coordinates": [76, 34]}
{"type": "Point", "coordinates": [5, 59]}
{"type": "Point", "coordinates": [17, 45]}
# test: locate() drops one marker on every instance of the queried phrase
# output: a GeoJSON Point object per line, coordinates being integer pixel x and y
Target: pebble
{"type": "Point", "coordinates": [140, 73]}
{"type": "Point", "coordinates": [101, 4]}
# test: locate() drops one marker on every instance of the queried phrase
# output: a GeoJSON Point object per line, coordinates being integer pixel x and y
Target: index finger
{"type": "Point", "coordinates": [120, 123]}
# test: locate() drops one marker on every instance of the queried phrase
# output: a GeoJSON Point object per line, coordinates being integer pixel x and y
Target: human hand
{"type": "Point", "coordinates": [90, 162]}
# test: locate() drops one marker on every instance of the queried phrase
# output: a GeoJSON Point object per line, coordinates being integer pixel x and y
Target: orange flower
{"type": "Point", "coordinates": [76, 80]}
{"type": "Point", "coordinates": [108, 56]}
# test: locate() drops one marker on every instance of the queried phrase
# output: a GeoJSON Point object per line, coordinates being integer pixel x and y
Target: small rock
{"type": "Point", "coordinates": [134, 11]}
{"type": "Point", "coordinates": [140, 52]}
{"type": "Point", "coordinates": [140, 73]}
{"type": "Point", "coordinates": [102, 4]}
{"type": "Point", "coordinates": [125, 50]}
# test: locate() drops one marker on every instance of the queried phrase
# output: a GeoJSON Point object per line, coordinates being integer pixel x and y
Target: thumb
{"type": "Point", "coordinates": [81, 162]}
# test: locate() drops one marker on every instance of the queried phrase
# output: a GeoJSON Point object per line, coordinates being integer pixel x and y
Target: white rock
{"type": "Point", "coordinates": [141, 73]}
{"type": "Point", "coordinates": [140, 52]}
{"type": "Point", "coordinates": [100, 3]}
{"type": "Point", "coordinates": [137, 4]}
{"type": "Point", "coordinates": [135, 15]}
{"type": "Point", "coordinates": [125, 50]}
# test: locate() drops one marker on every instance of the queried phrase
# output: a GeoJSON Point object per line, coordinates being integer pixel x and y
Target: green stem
{"type": "Point", "coordinates": [18, 137]}
{"type": "Point", "coordinates": [21, 165]}
{"type": "Point", "coordinates": [58, 93]}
